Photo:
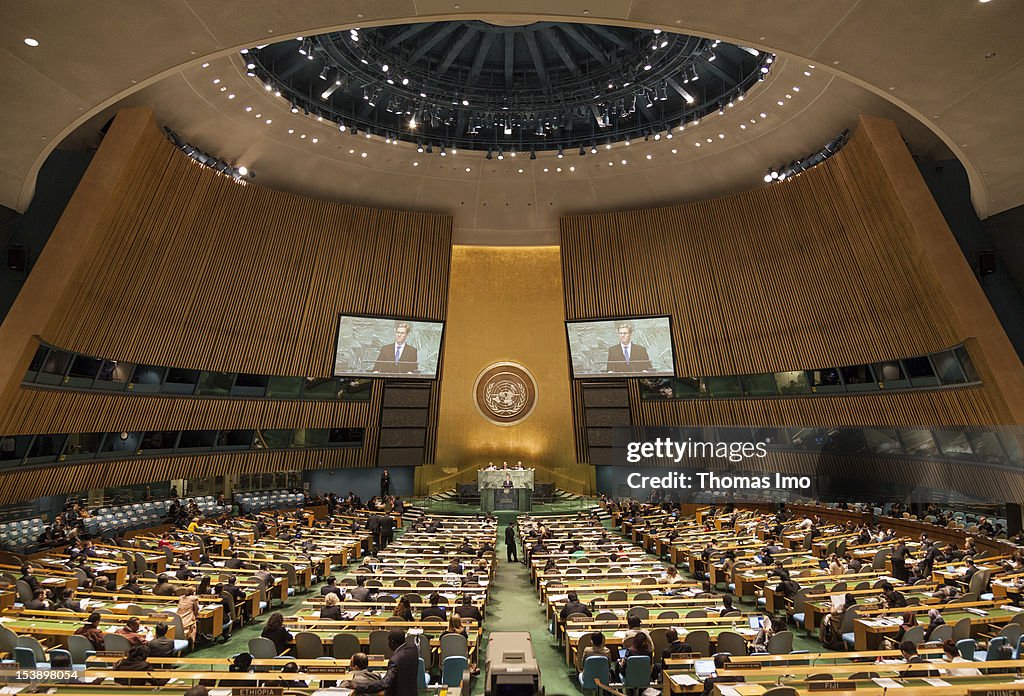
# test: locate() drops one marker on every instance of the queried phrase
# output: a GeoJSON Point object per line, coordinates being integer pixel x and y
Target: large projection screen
{"type": "Point", "coordinates": [621, 348]}
{"type": "Point", "coordinates": [387, 347]}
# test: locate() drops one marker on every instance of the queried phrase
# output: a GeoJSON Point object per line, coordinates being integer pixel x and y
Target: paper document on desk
{"type": "Point", "coordinates": [727, 690]}
{"type": "Point", "coordinates": [12, 689]}
{"type": "Point", "coordinates": [684, 680]}
{"type": "Point", "coordinates": [332, 692]}
{"type": "Point", "coordinates": [887, 683]}
{"type": "Point", "coordinates": [932, 681]}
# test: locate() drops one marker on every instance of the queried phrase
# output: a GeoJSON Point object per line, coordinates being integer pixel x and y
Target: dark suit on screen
{"type": "Point", "coordinates": [639, 361]}
{"type": "Point", "coordinates": [408, 362]}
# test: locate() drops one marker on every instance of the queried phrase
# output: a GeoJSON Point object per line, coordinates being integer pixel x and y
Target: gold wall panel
{"type": "Point", "coordinates": [505, 304]}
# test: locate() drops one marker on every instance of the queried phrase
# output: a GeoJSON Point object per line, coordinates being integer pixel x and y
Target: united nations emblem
{"type": "Point", "coordinates": [505, 393]}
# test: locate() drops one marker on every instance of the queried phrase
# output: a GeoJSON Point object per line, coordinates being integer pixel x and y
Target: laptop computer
{"type": "Point", "coordinates": [756, 622]}
{"type": "Point", "coordinates": [704, 668]}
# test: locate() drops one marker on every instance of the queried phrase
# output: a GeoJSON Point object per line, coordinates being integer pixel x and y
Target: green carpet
{"type": "Point", "coordinates": [513, 605]}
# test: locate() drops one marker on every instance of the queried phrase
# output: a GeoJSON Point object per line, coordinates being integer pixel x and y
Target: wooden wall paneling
{"type": "Point", "coordinates": [807, 273]}
{"type": "Point", "coordinates": [824, 270]}
{"type": "Point", "coordinates": [191, 269]}
{"type": "Point", "coordinates": [202, 272]}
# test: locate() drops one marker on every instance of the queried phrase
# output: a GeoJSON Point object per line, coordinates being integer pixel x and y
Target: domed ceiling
{"type": "Point", "coordinates": [475, 85]}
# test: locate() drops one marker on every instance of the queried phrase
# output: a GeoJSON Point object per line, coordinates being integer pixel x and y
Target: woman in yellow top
{"type": "Point", "coordinates": [193, 525]}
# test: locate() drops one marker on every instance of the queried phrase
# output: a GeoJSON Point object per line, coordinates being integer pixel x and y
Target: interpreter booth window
{"type": "Point", "coordinates": [309, 437]}
{"type": "Point", "coordinates": [919, 443]}
{"type": "Point", "coordinates": [197, 440]}
{"type": "Point", "coordinates": [724, 386]}
{"type": "Point", "coordinates": [355, 389]}
{"type": "Point", "coordinates": [345, 437]}
{"type": "Point", "coordinates": [845, 440]}
{"type": "Point", "coordinates": [920, 372]}
{"type": "Point", "coordinates": [83, 371]}
{"type": "Point", "coordinates": [810, 438]}
{"type": "Point", "coordinates": [954, 444]}
{"type": "Point", "coordinates": [891, 375]}
{"type": "Point", "coordinates": [827, 380]}
{"type": "Point", "coordinates": [967, 364]}
{"type": "Point", "coordinates": [987, 448]}
{"type": "Point", "coordinates": [83, 445]}
{"type": "Point", "coordinates": [321, 388]}
{"type": "Point", "coordinates": [46, 448]}
{"type": "Point", "coordinates": [859, 378]}
{"type": "Point", "coordinates": [235, 439]}
{"type": "Point", "coordinates": [13, 449]}
{"type": "Point", "coordinates": [664, 388]}
{"type": "Point", "coordinates": [790, 383]}
{"type": "Point", "coordinates": [284, 387]}
{"type": "Point", "coordinates": [55, 367]}
{"type": "Point", "coordinates": [274, 438]}
{"type": "Point", "coordinates": [159, 441]}
{"type": "Point", "coordinates": [180, 381]}
{"type": "Point", "coordinates": [121, 444]}
{"type": "Point", "coordinates": [147, 378]}
{"type": "Point", "coordinates": [883, 442]}
{"type": "Point", "coordinates": [250, 385]}
{"type": "Point", "coordinates": [215, 383]}
{"type": "Point", "coordinates": [759, 385]}
{"type": "Point", "coordinates": [1014, 447]}
{"type": "Point", "coordinates": [114, 374]}
{"type": "Point", "coordinates": [947, 368]}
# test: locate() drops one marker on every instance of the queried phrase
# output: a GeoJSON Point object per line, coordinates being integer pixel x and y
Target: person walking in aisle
{"type": "Point", "coordinates": [510, 543]}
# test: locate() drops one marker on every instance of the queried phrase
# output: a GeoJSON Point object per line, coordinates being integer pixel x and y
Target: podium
{"type": "Point", "coordinates": [494, 495]}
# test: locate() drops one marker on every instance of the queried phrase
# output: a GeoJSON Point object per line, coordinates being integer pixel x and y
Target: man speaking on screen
{"type": "Point", "coordinates": [626, 356]}
{"type": "Point", "coordinates": [398, 356]}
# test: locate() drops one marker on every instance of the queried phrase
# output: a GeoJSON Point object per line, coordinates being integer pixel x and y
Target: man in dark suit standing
{"type": "Point", "coordinates": [387, 530]}
{"type": "Point", "coordinates": [626, 356]}
{"type": "Point", "coordinates": [401, 677]}
{"type": "Point", "coordinates": [398, 356]}
{"type": "Point", "coordinates": [510, 544]}
{"type": "Point", "coordinates": [385, 484]}
{"type": "Point", "coordinates": [373, 527]}
{"type": "Point", "coordinates": [900, 554]}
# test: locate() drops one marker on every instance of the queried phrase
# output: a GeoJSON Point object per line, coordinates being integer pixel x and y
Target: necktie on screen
{"type": "Point", "coordinates": [626, 351]}
{"type": "Point", "coordinates": [398, 352]}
